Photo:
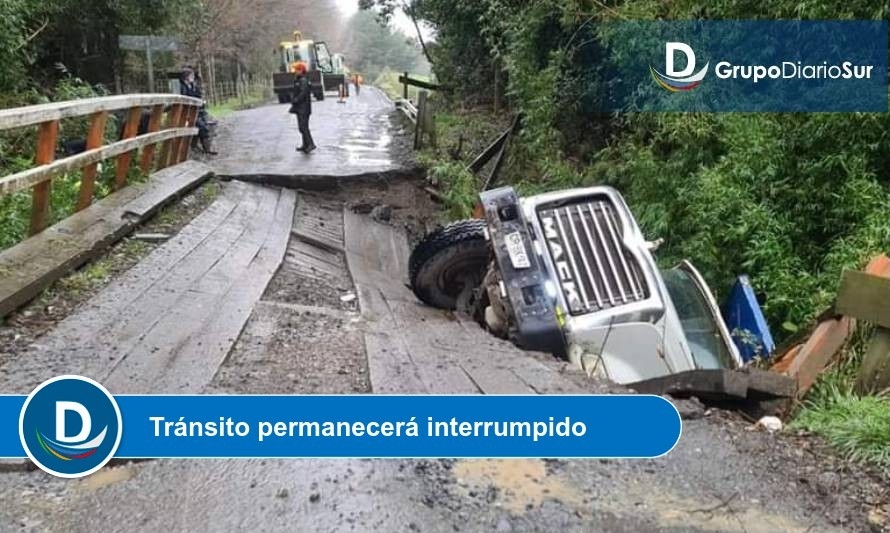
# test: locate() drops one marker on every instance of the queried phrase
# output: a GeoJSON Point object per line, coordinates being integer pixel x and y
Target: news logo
{"type": "Point", "coordinates": [679, 80]}
{"type": "Point", "coordinates": [70, 426]}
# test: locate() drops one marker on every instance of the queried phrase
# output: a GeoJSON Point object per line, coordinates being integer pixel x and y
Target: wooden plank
{"type": "Point", "coordinates": [874, 374]}
{"type": "Point", "coordinates": [828, 337]}
{"type": "Point", "coordinates": [489, 152]}
{"type": "Point", "coordinates": [37, 262]}
{"type": "Point", "coordinates": [131, 128]}
{"type": "Point", "coordinates": [41, 195]}
{"type": "Point", "coordinates": [405, 79]}
{"type": "Point", "coordinates": [28, 178]}
{"type": "Point", "coordinates": [193, 330]}
{"type": "Point", "coordinates": [865, 297]}
{"type": "Point", "coordinates": [34, 264]}
{"type": "Point", "coordinates": [95, 139]}
{"type": "Point", "coordinates": [166, 184]}
{"type": "Point", "coordinates": [36, 114]}
{"type": "Point", "coordinates": [205, 351]}
{"type": "Point", "coordinates": [148, 152]}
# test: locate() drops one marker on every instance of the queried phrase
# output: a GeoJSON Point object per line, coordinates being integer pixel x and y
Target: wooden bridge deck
{"type": "Point", "coordinates": [166, 325]}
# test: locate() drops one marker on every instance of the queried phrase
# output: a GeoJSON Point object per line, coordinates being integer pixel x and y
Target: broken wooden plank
{"type": "Point", "coordinates": [722, 384]}
{"type": "Point", "coordinates": [827, 339]}
{"type": "Point", "coordinates": [865, 297]}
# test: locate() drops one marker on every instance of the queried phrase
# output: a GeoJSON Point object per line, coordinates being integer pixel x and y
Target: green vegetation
{"type": "Point", "coordinates": [790, 199]}
{"type": "Point", "coordinates": [858, 426]}
{"type": "Point", "coordinates": [252, 98]}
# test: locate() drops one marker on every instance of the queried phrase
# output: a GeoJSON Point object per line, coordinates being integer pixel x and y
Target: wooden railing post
{"type": "Point", "coordinates": [154, 124]}
{"type": "Point", "coordinates": [191, 118]}
{"type": "Point", "coordinates": [134, 116]}
{"type": "Point", "coordinates": [41, 194]}
{"type": "Point", "coordinates": [176, 149]}
{"type": "Point", "coordinates": [173, 119]}
{"type": "Point", "coordinates": [95, 139]}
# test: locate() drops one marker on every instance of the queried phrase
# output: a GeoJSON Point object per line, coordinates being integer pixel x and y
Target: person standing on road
{"type": "Point", "coordinates": [302, 107]}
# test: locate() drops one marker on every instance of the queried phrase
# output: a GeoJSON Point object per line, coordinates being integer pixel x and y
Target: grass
{"type": "Point", "coordinates": [858, 426]}
{"type": "Point", "coordinates": [251, 99]}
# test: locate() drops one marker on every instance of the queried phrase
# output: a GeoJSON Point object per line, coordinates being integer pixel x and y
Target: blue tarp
{"type": "Point", "coordinates": [746, 322]}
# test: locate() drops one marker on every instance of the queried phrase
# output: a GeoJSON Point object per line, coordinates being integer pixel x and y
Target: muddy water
{"type": "Point", "coordinates": [521, 483]}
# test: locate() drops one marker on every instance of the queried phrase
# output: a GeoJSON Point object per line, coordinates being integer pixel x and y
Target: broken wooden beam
{"type": "Point", "coordinates": [721, 384]}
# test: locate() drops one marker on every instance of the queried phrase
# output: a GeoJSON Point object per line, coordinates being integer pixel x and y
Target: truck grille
{"type": "Point", "coordinates": [595, 270]}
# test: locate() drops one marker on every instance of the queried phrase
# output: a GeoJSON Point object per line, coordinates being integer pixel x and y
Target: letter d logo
{"type": "Point", "coordinates": [70, 426]}
{"type": "Point", "coordinates": [62, 408]}
{"type": "Point", "coordinates": [678, 80]}
{"type": "Point", "coordinates": [671, 50]}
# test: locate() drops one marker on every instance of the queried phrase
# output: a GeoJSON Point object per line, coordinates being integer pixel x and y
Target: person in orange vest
{"type": "Point", "coordinates": [357, 81]}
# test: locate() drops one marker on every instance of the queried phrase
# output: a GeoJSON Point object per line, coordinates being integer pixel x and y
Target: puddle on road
{"type": "Point", "coordinates": [107, 477]}
{"type": "Point", "coordinates": [520, 482]}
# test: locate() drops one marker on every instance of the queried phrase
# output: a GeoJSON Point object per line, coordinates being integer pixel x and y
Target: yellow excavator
{"type": "Point", "coordinates": [319, 66]}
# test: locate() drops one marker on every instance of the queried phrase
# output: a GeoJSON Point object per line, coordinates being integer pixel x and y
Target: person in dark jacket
{"type": "Point", "coordinates": [302, 107]}
{"type": "Point", "coordinates": [189, 86]}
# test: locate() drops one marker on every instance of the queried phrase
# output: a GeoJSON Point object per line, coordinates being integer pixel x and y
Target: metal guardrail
{"type": "Point", "coordinates": [408, 108]}
{"type": "Point", "coordinates": [170, 125]}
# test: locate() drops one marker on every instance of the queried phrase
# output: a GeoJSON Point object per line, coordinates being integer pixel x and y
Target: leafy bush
{"type": "Point", "coordinates": [790, 199]}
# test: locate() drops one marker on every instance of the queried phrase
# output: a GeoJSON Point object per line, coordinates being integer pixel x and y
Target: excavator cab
{"type": "Point", "coordinates": [314, 55]}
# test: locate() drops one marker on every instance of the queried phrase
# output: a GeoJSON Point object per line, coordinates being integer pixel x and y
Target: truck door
{"type": "Point", "coordinates": [706, 332]}
{"type": "Point", "coordinates": [324, 58]}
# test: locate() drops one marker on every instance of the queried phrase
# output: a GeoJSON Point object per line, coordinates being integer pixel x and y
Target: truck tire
{"type": "Point", "coordinates": [319, 93]}
{"type": "Point", "coordinates": [447, 260]}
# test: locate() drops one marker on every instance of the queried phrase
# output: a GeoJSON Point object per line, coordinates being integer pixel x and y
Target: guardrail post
{"type": "Point", "coordinates": [405, 87]}
{"type": "Point", "coordinates": [173, 119]}
{"type": "Point", "coordinates": [95, 139]}
{"type": "Point", "coordinates": [154, 124]}
{"type": "Point", "coordinates": [420, 123]}
{"type": "Point", "coordinates": [430, 124]}
{"type": "Point", "coordinates": [41, 193]}
{"type": "Point", "coordinates": [131, 128]}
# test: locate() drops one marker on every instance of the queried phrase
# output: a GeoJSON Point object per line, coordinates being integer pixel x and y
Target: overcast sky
{"type": "Point", "coordinates": [400, 21]}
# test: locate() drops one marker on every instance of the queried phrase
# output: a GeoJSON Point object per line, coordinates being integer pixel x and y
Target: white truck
{"type": "Point", "coordinates": [570, 273]}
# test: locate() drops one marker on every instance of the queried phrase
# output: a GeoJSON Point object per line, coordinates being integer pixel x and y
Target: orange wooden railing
{"type": "Point", "coordinates": [171, 125]}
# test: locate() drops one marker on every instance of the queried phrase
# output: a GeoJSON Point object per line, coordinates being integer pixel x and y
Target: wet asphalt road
{"type": "Point", "coordinates": [719, 478]}
{"type": "Point", "coordinates": [353, 138]}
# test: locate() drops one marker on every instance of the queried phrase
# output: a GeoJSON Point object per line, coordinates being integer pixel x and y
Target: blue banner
{"type": "Point", "coordinates": [709, 65]}
{"type": "Point", "coordinates": [375, 426]}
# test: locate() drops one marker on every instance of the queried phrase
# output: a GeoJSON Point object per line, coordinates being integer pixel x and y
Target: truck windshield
{"type": "Point", "coordinates": [699, 323]}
